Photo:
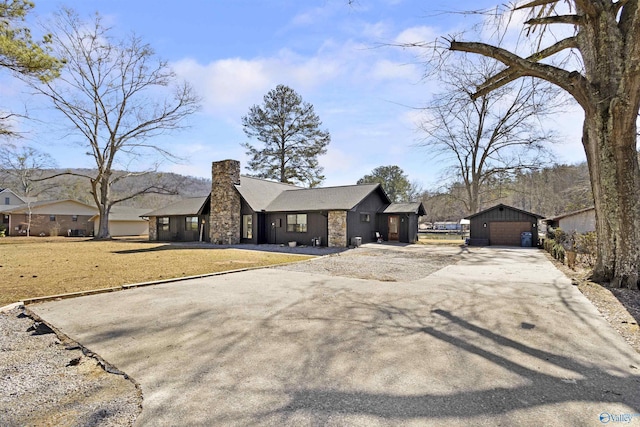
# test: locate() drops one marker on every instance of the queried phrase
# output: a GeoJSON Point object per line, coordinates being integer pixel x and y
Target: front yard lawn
{"type": "Point", "coordinates": [34, 267]}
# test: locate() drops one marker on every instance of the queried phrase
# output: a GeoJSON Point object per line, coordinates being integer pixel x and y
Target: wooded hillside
{"type": "Point", "coordinates": [548, 192]}
{"type": "Point", "coordinates": [77, 188]}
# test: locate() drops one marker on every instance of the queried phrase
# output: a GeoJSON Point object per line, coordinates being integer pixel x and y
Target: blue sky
{"type": "Point", "coordinates": [235, 51]}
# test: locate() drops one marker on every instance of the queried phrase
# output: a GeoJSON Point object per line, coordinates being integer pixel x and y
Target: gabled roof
{"type": "Point", "coordinates": [259, 193]}
{"type": "Point", "coordinates": [412, 207]}
{"type": "Point", "coordinates": [328, 198]}
{"type": "Point", "coordinates": [191, 206]}
{"type": "Point", "coordinates": [24, 208]}
{"type": "Point", "coordinates": [124, 213]}
{"type": "Point", "coordinates": [564, 215]}
{"type": "Point", "coordinates": [22, 199]}
{"type": "Point", "coordinates": [505, 207]}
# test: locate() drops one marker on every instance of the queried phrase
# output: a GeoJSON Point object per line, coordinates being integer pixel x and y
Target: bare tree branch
{"type": "Point", "coordinates": [111, 94]}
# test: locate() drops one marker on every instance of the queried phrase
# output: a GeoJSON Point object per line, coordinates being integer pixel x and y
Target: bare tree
{"type": "Point", "coordinates": [496, 134]}
{"type": "Point", "coordinates": [112, 94]}
{"type": "Point", "coordinates": [606, 38]}
{"type": "Point", "coordinates": [24, 167]}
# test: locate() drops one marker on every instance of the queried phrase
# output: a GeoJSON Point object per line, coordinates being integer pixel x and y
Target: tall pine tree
{"type": "Point", "coordinates": [291, 138]}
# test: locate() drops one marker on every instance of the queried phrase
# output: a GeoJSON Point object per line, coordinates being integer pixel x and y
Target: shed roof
{"type": "Point", "coordinates": [505, 207]}
{"type": "Point", "coordinates": [190, 206]}
{"type": "Point", "coordinates": [412, 207]}
{"type": "Point", "coordinates": [328, 198]}
{"type": "Point", "coordinates": [259, 193]}
{"type": "Point", "coordinates": [564, 215]}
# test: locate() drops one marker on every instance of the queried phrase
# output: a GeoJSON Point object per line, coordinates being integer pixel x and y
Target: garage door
{"type": "Point", "coordinates": [507, 233]}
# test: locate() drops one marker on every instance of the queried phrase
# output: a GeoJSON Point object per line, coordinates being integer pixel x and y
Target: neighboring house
{"type": "Point", "coordinates": [124, 221]}
{"type": "Point", "coordinates": [503, 225]}
{"type": "Point", "coordinates": [243, 209]}
{"type": "Point", "coordinates": [582, 221]}
{"type": "Point", "coordinates": [50, 218]}
{"type": "Point", "coordinates": [9, 200]}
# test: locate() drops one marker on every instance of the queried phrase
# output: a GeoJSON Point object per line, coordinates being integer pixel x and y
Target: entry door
{"type": "Point", "coordinates": [394, 227]}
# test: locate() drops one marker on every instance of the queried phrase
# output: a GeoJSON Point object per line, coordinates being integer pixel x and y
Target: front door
{"type": "Point", "coordinates": [394, 226]}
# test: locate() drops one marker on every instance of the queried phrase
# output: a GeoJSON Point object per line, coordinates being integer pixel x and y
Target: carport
{"type": "Point", "coordinates": [503, 225]}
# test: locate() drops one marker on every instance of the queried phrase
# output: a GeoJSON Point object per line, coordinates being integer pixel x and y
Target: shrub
{"type": "Point", "coordinates": [586, 246]}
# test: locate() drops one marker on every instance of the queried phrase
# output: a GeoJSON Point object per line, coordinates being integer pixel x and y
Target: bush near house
{"type": "Point", "coordinates": [581, 246]}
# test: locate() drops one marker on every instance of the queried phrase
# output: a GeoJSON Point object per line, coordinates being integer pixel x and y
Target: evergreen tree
{"type": "Point", "coordinates": [291, 138]}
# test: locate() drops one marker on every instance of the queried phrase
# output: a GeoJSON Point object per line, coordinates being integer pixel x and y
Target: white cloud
{"type": "Point", "coordinates": [390, 70]}
{"type": "Point", "coordinates": [417, 35]}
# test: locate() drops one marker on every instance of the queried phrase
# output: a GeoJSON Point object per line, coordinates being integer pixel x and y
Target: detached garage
{"type": "Point", "coordinates": [503, 225]}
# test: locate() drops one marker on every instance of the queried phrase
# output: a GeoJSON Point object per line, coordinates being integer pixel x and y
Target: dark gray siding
{"type": "Point", "coordinates": [370, 205]}
{"type": "Point", "coordinates": [408, 231]}
{"type": "Point", "coordinates": [177, 229]}
{"type": "Point", "coordinates": [479, 233]}
{"type": "Point", "coordinates": [277, 228]}
{"type": "Point", "coordinates": [245, 209]}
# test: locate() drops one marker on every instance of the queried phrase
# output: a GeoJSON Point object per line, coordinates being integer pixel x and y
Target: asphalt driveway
{"type": "Point", "coordinates": [497, 337]}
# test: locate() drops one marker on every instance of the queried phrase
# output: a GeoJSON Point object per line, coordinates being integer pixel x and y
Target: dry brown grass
{"type": "Point", "coordinates": [440, 239]}
{"type": "Point", "coordinates": [34, 267]}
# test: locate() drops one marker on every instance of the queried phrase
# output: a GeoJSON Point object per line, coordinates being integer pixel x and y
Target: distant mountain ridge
{"type": "Point", "coordinates": [79, 188]}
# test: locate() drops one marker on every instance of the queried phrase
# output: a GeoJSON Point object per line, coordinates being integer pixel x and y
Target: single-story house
{"type": "Point", "coordinates": [49, 218]}
{"type": "Point", "coordinates": [242, 209]}
{"type": "Point", "coordinates": [65, 218]}
{"type": "Point", "coordinates": [124, 221]}
{"type": "Point", "coordinates": [581, 221]}
{"type": "Point", "coordinates": [503, 225]}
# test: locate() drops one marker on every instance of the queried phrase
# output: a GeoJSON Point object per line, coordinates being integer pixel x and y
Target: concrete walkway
{"type": "Point", "coordinates": [499, 338]}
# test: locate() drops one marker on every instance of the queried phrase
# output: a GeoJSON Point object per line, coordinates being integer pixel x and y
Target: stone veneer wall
{"type": "Point", "coordinates": [337, 223]}
{"type": "Point", "coordinates": [153, 228]}
{"type": "Point", "coordinates": [225, 203]}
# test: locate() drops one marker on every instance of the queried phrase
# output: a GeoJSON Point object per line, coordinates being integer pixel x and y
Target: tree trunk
{"type": "Point", "coordinates": [104, 207]}
{"type": "Point", "coordinates": [609, 140]}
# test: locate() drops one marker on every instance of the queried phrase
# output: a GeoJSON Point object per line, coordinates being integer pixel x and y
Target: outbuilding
{"type": "Point", "coordinates": [503, 225]}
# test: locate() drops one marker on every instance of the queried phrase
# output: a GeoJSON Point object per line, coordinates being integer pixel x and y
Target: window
{"type": "Point", "coordinates": [365, 217]}
{"type": "Point", "coordinates": [163, 223]}
{"type": "Point", "coordinates": [297, 223]}
{"type": "Point", "coordinates": [74, 218]}
{"type": "Point", "coordinates": [52, 217]}
{"type": "Point", "coordinates": [191, 223]}
{"type": "Point", "coordinates": [247, 226]}
{"type": "Point", "coordinates": [7, 200]}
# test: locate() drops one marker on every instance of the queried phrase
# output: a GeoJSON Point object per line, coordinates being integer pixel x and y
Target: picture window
{"type": "Point", "coordinates": [297, 223]}
{"type": "Point", "coordinates": [191, 223]}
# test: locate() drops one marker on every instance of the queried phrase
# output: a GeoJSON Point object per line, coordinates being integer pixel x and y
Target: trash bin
{"type": "Point", "coordinates": [356, 241]}
{"type": "Point", "coordinates": [525, 239]}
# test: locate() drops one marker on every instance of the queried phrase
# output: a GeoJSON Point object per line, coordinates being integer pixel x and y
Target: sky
{"type": "Point", "coordinates": [338, 57]}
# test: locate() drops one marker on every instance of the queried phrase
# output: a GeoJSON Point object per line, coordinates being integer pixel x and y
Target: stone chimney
{"type": "Point", "coordinates": [225, 203]}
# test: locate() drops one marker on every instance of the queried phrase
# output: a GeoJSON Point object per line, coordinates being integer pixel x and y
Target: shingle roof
{"type": "Point", "coordinates": [24, 208]}
{"type": "Point", "coordinates": [555, 218]}
{"type": "Point", "coordinates": [190, 206]}
{"type": "Point", "coordinates": [259, 193]}
{"type": "Point", "coordinates": [318, 199]}
{"type": "Point", "coordinates": [124, 213]}
{"type": "Point", "coordinates": [503, 206]}
{"type": "Point", "coordinates": [413, 207]}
